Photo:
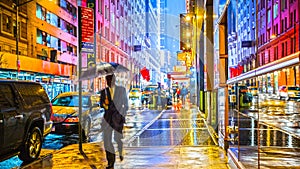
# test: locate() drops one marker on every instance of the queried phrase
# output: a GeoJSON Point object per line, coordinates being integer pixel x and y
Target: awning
{"type": "Point", "coordinates": [270, 67]}
{"type": "Point", "coordinates": [34, 65]}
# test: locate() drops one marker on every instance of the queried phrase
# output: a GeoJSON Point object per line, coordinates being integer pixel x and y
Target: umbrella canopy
{"type": "Point", "coordinates": [102, 69]}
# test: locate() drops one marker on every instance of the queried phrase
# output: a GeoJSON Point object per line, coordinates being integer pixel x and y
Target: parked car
{"type": "Point", "coordinates": [65, 113]}
{"type": "Point", "coordinates": [25, 112]}
{"type": "Point", "coordinates": [289, 92]}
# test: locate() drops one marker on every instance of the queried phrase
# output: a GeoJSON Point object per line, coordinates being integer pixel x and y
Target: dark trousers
{"type": "Point", "coordinates": [108, 145]}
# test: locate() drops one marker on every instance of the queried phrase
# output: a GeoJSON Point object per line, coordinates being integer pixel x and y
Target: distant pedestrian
{"type": "Point", "coordinates": [114, 101]}
{"type": "Point", "coordinates": [178, 94]}
{"type": "Point", "coordinates": [183, 93]}
{"type": "Point", "coordinates": [159, 95]}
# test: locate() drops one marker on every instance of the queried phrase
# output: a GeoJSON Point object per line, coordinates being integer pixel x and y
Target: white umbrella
{"type": "Point", "coordinates": [102, 69]}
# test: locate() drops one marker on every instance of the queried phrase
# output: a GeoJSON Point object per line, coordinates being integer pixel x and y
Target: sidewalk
{"type": "Point", "coordinates": [178, 145]}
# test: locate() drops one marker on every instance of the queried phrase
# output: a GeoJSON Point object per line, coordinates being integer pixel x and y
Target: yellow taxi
{"type": "Point", "coordinates": [65, 115]}
{"type": "Point", "coordinates": [253, 90]}
{"type": "Point", "coordinates": [272, 103]}
{"type": "Point", "coordinates": [135, 93]}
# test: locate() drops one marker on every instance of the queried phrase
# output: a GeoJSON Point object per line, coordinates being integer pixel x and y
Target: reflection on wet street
{"type": "Point", "coordinates": [170, 139]}
{"type": "Point", "coordinates": [173, 128]}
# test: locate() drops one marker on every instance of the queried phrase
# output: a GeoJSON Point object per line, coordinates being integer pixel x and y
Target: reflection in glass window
{"type": "Point", "coordinates": [38, 11]}
{"type": "Point", "coordinates": [39, 37]}
{"type": "Point", "coordinates": [63, 4]}
{"type": "Point", "coordinates": [63, 46]}
{"type": "Point", "coordinates": [53, 19]}
{"type": "Point", "coordinates": [54, 42]}
{"type": "Point", "coordinates": [63, 25]}
{"type": "Point", "coordinates": [33, 94]}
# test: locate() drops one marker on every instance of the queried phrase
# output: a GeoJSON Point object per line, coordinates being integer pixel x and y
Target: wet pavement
{"type": "Point", "coordinates": [174, 139]}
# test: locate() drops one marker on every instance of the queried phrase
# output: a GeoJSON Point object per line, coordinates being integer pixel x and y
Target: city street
{"type": "Point", "coordinates": [176, 139]}
{"type": "Point", "coordinates": [168, 139]}
{"type": "Point", "coordinates": [190, 83]}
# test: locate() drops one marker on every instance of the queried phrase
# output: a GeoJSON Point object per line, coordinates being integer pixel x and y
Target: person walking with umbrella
{"type": "Point", "coordinates": [114, 100]}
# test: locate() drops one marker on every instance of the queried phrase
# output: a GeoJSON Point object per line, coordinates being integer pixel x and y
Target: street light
{"type": "Point", "coordinates": [18, 4]}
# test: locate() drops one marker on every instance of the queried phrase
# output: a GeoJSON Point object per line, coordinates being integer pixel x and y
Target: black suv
{"type": "Point", "coordinates": [25, 112]}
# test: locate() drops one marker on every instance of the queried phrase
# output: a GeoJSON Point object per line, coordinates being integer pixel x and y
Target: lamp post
{"type": "Point", "coordinates": [188, 25]}
{"type": "Point", "coordinates": [18, 4]}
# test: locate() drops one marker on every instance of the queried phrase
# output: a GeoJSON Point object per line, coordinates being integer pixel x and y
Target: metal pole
{"type": "Point", "coordinates": [17, 39]}
{"type": "Point", "coordinates": [80, 82]}
{"type": "Point", "coordinates": [258, 122]}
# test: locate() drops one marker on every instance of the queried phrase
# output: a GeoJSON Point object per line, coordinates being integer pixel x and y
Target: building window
{"type": "Point", "coordinates": [282, 49]}
{"type": "Point", "coordinates": [23, 30]}
{"type": "Point", "coordinates": [286, 48]}
{"type": "Point", "coordinates": [275, 52]}
{"type": "Point", "coordinates": [100, 6]}
{"type": "Point", "coordinates": [275, 10]}
{"type": "Point", "coordinates": [6, 23]}
{"type": "Point", "coordinates": [292, 44]}
{"type": "Point", "coordinates": [69, 8]}
{"type": "Point", "coordinates": [283, 5]}
{"type": "Point", "coordinates": [295, 20]}
{"type": "Point", "coordinates": [269, 16]}
{"type": "Point", "coordinates": [282, 26]}
{"type": "Point", "coordinates": [262, 4]}
{"type": "Point", "coordinates": [106, 12]}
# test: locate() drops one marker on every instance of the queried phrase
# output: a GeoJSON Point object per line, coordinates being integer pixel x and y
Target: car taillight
{"type": "Point", "coordinates": [72, 120]}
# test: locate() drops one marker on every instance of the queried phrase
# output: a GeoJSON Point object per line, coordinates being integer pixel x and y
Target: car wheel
{"type": "Point", "coordinates": [32, 145]}
{"type": "Point", "coordinates": [86, 130]}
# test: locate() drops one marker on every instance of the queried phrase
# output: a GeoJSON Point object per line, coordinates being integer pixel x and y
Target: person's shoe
{"type": "Point", "coordinates": [121, 158]}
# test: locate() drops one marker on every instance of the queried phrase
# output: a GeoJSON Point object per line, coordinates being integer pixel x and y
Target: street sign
{"type": "Point", "coordinates": [87, 47]}
{"type": "Point", "coordinates": [247, 44]}
{"type": "Point", "coordinates": [137, 48]}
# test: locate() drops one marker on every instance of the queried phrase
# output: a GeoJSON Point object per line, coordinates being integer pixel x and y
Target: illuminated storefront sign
{"type": "Point", "coordinates": [87, 29]}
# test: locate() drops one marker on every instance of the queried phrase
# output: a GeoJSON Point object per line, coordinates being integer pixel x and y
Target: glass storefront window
{"type": "Point", "coordinates": [265, 123]}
